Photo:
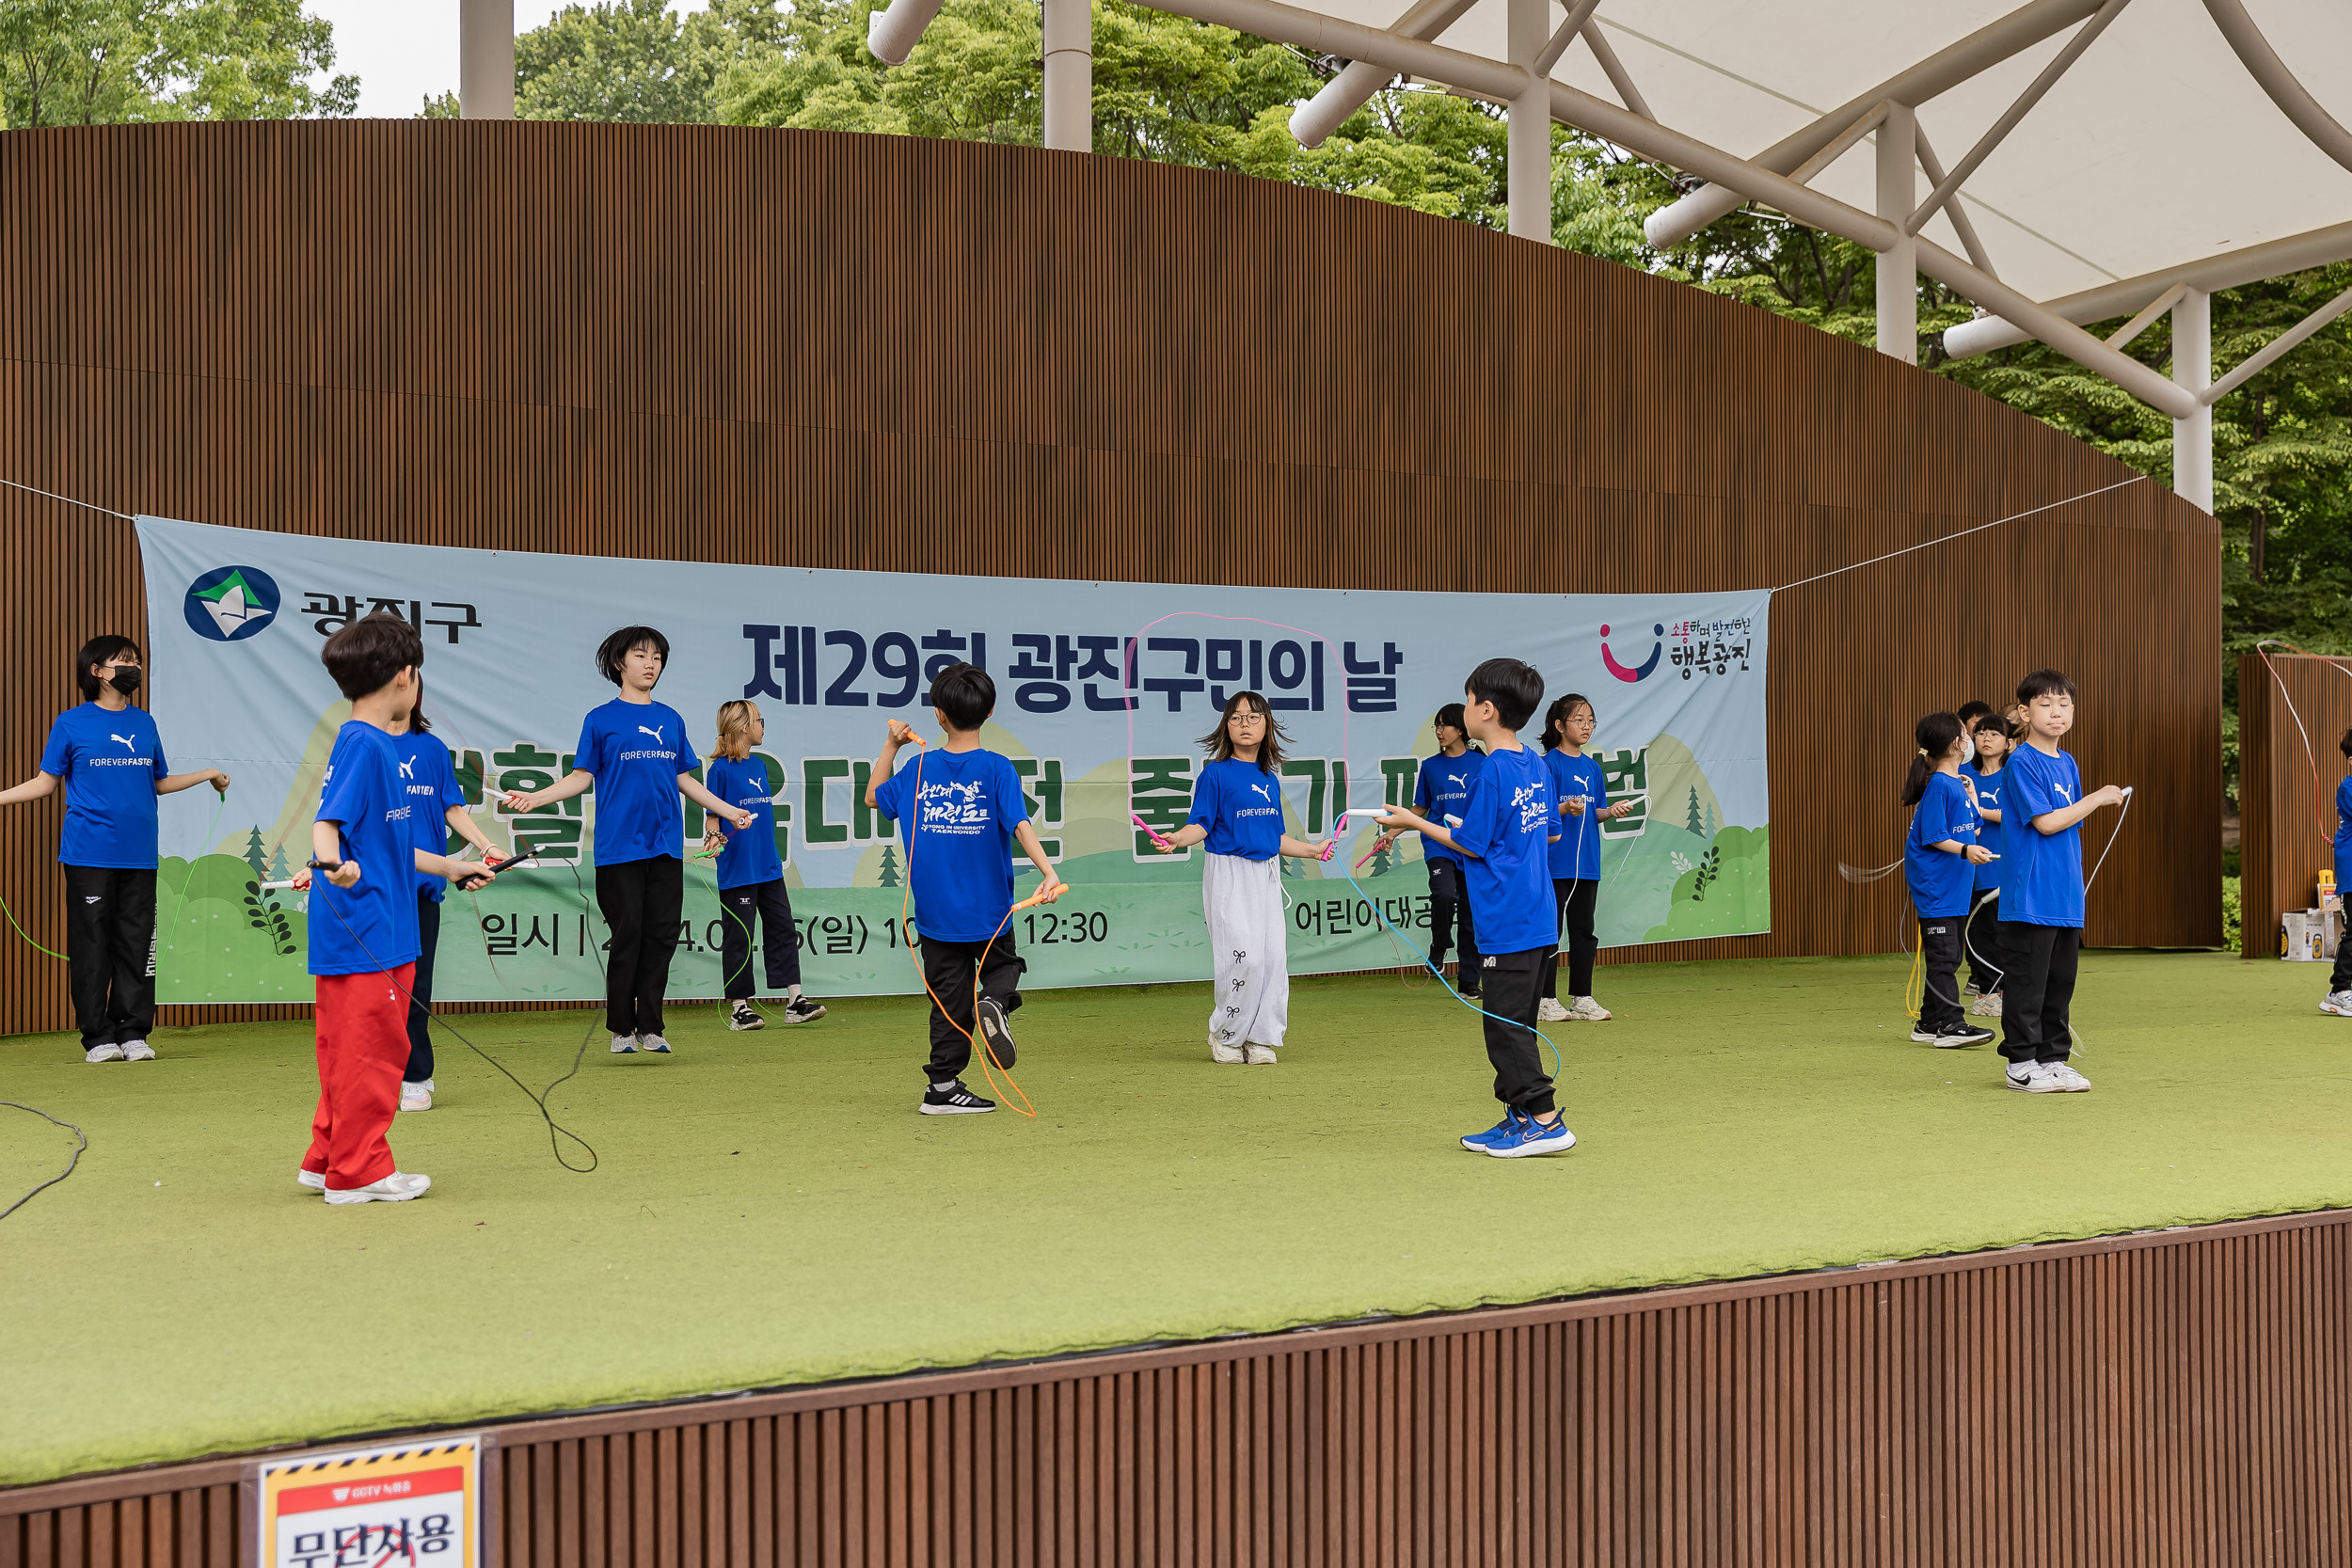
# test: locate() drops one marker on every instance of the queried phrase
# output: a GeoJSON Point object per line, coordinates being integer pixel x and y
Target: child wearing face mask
{"type": "Point", "coordinates": [110, 758]}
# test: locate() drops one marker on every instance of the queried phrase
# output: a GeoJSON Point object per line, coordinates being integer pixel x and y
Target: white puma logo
{"type": "Point", "coordinates": [1453, 778]}
{"type": "Point", "coordinates": [656, 734]}
{"type": "Point", "coordinates": [128, 743]}
{"type": "Point", "coordinates": [1263, 790]}
{"type": "Point", "coordinates": [2061, 793]}
{"type": "Point", "coordinates": [409, 770]}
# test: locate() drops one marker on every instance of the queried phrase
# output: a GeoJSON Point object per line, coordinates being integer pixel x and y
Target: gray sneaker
{"type": "Point", "coordinates": [2338, 1003]}
{"type": "Point", "coordinates": [652, 1045]}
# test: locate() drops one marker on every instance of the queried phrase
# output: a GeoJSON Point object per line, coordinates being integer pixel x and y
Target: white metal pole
{"type": "Point", "coordinates": [1070, 74]}
{"type": "Point", "coordinates": [2192, 368]}
{"type": "Point", "coordinates": [1899, 265]}
{"type": "Point", "coordinates": [486, 59]}
{"type": "Point", "coordinates": [1528, 148]}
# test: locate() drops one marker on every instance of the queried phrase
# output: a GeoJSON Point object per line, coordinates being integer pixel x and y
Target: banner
{"type": "Point", "coordinates": [1104, 691]}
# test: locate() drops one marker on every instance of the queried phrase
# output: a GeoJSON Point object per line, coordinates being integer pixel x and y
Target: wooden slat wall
{"type": "Point", "coordinates": [802, 348]}
{"type": "Point", "coordinates": [2178, 1398]}
{"type": "Point", "coordinates": [2292, 712]}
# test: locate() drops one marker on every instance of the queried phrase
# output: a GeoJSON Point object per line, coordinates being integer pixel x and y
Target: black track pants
{"type": "Point", "coordinates": [110, 952]}
{"type": "Point", "coordinates": [1514, 990]}
{"type": "Point", "coordinates": [947, 968]}
{"type": "Point", "coordinates": [768, 905]}
{"type": "Point", "coordinates": [421, 991]}
{"type": "Point", "coordinates": [1575, 901]}
{"type": "Point", "coordinates": [1449, 904]}
{"type": "Point", "coordinates": [2036, 998]}
{"type": "Point", "coordinates": [640, 901]}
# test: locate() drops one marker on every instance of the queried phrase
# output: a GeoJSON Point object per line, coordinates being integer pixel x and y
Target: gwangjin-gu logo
{"type": "Point", "coordinates": [231, 603]}
{"type": "Point", "coordinates": [1657, 651]}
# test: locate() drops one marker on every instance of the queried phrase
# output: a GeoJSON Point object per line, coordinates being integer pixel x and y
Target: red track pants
{"type": "Point", "coordinates": [364, 1048]}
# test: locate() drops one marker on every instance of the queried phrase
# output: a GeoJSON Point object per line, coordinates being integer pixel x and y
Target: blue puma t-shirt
{"type": "Point", "coordinates": [1241, 806]}
{"type": "Point", "coordinates": [1989, 832]}
{"type": "Point", "coordinates": [1576, 853]}
{"type": "Point", "coordinates": [1440, 790]}
{"type": "Point", "coordinates": [1940, 880]}
{"type": "Point", "coordinates": [109, 763]}
{"type": "Point", "coordinates": [2045, 881]}
{"type": "Point", "coordinates": [429, 780]}
{"type": "Point", "coordinates": [636, 751]}
{"type": "Point", "coordinates": [749, 857]}
{"type": "Point", "coordinates": [370, 928]}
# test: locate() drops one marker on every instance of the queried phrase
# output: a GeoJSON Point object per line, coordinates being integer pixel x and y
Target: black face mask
{"type": "Point", "coordinates": [125, 679]}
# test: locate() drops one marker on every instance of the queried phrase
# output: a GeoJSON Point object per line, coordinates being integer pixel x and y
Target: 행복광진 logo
{"type": "Point", "coordinates": [231, 603]}
{"type": "Point", "coordinates": [1634, 673]}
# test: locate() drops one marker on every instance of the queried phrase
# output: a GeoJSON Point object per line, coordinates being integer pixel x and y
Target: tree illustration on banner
{"type": "Point", "coordinates": [889, 865]}
{"type": "Point", "coordinates": [1692, 820]}
{"type": "Point", "coordinates": [255, 856]}
{"type": "Point", "coordinates": [279, 870]}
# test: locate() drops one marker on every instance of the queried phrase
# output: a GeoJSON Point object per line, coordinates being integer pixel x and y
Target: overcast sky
{"type": "Point", "coordinates": [404, 52]}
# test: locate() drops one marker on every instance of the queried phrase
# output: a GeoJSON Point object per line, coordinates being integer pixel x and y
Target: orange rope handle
{"type": "Point", "coordinates": [1010, 1089]}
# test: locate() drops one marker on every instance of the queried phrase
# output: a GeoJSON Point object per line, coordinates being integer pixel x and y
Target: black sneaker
{"type": "Point", "coordinates": [742, 1015]}
{"type": "Point", "coordinates": [954, 1100]}
{"type": "Point", "coordinates": [801, 1011]}
{"type": "Point", "coordinates": [997, 1033]}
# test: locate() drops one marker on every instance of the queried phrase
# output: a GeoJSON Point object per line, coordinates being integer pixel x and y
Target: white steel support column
{"type": "Point", "coordinates": [2192, 368]}
{"type": "Point", "coordinates": [1898, 266]}
{"type": "Point", "coordinates": [1529, 150]}
{"type": "Point", "coordinates": [1070, 75]}
{"type": "Point", "coordinates": [486, 59]}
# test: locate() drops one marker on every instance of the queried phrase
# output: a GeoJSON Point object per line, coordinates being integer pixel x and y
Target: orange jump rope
{"type": "Point", "coordinates": [1009, 1091]}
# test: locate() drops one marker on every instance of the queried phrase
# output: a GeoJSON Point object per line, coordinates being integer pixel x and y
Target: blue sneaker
{"type": "Point", "coordinates": [1477, 1142]}
{"type": "Point", "coordinates": [1531, 1137]}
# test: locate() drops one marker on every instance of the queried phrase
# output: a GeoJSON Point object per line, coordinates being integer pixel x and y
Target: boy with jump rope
{"type": "Point", "coordinates": [960, 811]}
{"type": "Point", "coordinates": [110, 758]}
{"type": "Point", "coordinates": [1503, 839]}
{"type": "Point", "coordinates": [363, 919]}
{"type": "Point", "coordinates": [2041, 891]}
{"type": "Point", "coordinates": [751, 875]}
{"type": "Point", "coordinates": [1575, 856]}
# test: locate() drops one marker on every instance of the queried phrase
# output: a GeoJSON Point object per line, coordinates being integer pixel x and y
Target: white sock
{"type": "Point", "coordinates": [943, 1088]}
{"type": "Point", "coordinates": [792, 993]}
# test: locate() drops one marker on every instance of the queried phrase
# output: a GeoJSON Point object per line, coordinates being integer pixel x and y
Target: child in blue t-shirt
{"type": "Point", "coordinates": [109, 758]}
{"type": "Point", "coordinates": [436, 809]}
{"type": "Point", "coordinates": [1582, 802]}
{"type": "Point", "coordinates": [634, 750]}
{"type": "Point", "coordinates": [1237, 808]}
{"type": "Point", "coordinates": [751, 875]}
{"type": "Point", "coordinates": [1939, 856]}
{"type": "Point", "coordinates": [1505, 832]}
{"type": "Point", "coordinates": [363, 918]}
{"type": "Point", "coordinates": [959, 812]}
{"type": "Point", "coordinates": [2042, 889]}
{"type": "Point", "coordinates": [1980, 938]}
{"type": "Point", "coordinates": [1440, 790]}
{"type": "Point", "coordinates": [2339, 998]}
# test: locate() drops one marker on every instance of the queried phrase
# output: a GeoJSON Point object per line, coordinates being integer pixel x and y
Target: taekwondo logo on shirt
{"type": "Point", "coordinates": [955, 807]}
{"type": "Point", "coordinates": [1635, 672]}
{"type": "Point", "coordinates": [229, 603]}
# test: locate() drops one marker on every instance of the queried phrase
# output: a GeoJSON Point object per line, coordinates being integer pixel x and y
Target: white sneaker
{"type": "Point", "coordinates": [2068, 1079]}
{"type": "Point", "coordinates": [399, 1187]}
{"type": "Point", "coordinates": [1549, 1011]}
{"type": "Point", "coordinates": [106, 1053]}
{"type": "Point", "coordinates": [625, 1045]}
{"type": "Point", "coordinates": [417, 1097]}
{"type": "Point", "coordinates": [1258, 1055]}
{"type": "Point", "coordinates": [1230, 1054]}
{"type": "Point", "coordinates": [742, 1015]}
{"type": "Point", "coordinates": [315, 1179]}
{"type": "Point", "coordinates": [800, 1010]}
{"type": "Point", "coordinates": [137, 1051]}
{"type": "Point", "coordinates": [652, 1045]}
{"type": "Point", "coordinates": [1987, 1005]}
{"type": "Point", "coordinates": [2032, 1078]}
{"type": "Point", "coordinates": [2336, 1002]}
{"type": "Point", "coordinates": [1586, 1010]}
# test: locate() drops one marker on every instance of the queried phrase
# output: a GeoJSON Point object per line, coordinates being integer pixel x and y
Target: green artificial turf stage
{"type": "Point", "coordinates": [771, 1208]}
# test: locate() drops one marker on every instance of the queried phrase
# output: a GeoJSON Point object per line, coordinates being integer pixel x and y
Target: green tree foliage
{"type": "Point", "coordinates": [636, 60]}
{"type": "Point", "coordinates": [104, 62]}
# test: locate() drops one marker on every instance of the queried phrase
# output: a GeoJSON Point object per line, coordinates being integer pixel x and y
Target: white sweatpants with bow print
{"type": "Point", "coordinates": [1250, 942]}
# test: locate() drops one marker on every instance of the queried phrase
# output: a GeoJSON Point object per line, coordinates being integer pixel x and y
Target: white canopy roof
{"type": "Point", "coordinates": [2155, 150]}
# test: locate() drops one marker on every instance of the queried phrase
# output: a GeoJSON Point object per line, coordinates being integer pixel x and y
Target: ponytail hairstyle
{"type": "Point", "coordinates": [1935, 735]}
{"type": "Point", "coordinates": [417, 722]}
{"type": "Point", "coordinates": [1218, 743]}
{"type": "Point", "coordinates": [735, 731]}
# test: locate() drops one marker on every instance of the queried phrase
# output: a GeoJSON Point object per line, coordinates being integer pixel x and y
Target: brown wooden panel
{"type": "Point", "coordinates": [2292, 711]}
{"type": "Point", "coordinates": [2177, 1398]}
{"type": "Point", "coordinates": [800, 348]}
